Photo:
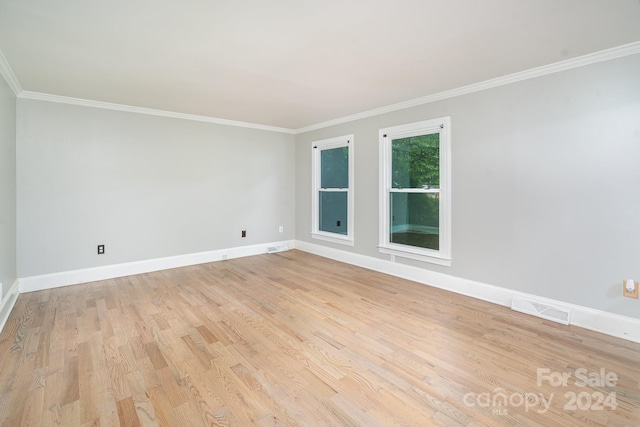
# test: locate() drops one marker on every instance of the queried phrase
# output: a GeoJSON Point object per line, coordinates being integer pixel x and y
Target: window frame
{"type": "Point", "coordinates": [316, 148]}
{"type": "Point", "coordinates": [442, 256]}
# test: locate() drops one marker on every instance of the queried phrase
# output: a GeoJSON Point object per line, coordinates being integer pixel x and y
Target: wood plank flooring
{"type": "Point", "coordinates": [294, 339]}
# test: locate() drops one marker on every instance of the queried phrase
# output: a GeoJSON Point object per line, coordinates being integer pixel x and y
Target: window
{"type": "Point", "coordinates": [332, 206]}
{"type": "Point", "coordinates": [415, 191]}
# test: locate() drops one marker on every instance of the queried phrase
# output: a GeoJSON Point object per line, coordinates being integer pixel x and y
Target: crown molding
{"type": "Point", "coordinates": [149, 111]}
{"type": "Point", "coordinates": [7, 73]}
{"type": "Point", "coordinates": [605, 55]}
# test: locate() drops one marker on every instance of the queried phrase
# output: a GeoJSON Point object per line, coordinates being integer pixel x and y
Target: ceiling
{"type": "Point", "coordinates": [293, 63]}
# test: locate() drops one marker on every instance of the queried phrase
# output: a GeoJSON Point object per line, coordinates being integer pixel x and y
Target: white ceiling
{"type": "Point", "coordinates": [293, 63]}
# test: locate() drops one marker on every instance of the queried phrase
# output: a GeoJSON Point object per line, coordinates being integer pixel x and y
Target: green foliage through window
{"type": "Point", "coordinates": [416, 162]}
{"type": "Point", "coordinates": [415, 165]}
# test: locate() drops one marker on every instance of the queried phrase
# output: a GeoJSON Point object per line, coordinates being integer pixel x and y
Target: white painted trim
{"type": "Point", "coordinates": [149, 111]}
{"type": "Point", "coordinates": [327, 144]}
{"type": "Point", "coordinates": [593, 58]}
{"type": "Point", "coordinates": [6, 304]}
{"type": "Point", "coordinates": [605, 55]}
{"type": "Point", "coordinates": [624, 327]}
{"type": "Point", "coordinates": [333, 238]}
{"type": "Point", "coordinates": [7, 73]}
{"type": "Point", "coordinates": [441, 126]}
{"type": "Point", "coordinates": [55, 280]}
{"type": "Point", "coordinates": [409, 252]}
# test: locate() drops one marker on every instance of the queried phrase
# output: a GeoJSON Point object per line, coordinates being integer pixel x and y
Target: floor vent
{"type": "Point", "coordinates": [541, 310]}
{"type": "Point", "coordinates": [277, 248]}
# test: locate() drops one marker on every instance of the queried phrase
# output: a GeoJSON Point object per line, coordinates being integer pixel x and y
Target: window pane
{"type": "Point", "coordinates": [334, 168]}
{"type": "Point", "coordinates": [415, 219]}
{"type": "Point", "coordinates": [333, 211]}
{"type": "Point", "coordinates": [415, 162]}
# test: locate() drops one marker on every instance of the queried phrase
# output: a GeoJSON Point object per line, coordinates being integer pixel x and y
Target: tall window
{"type": "Point", "coordinates": [332, 208]}
{"type": "Point", "coordinates": [415, 191]}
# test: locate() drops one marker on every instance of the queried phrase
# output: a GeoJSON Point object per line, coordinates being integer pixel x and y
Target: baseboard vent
{"type": "Point", "coordinates": [539, 309]}
{"type": "Point", "coordinates": [277, 248]}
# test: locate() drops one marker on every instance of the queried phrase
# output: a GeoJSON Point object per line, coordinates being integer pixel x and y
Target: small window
{"type": "Point", "coordinates": [415, 191]}
{"type": "Point", "coordinates": [332, 208]}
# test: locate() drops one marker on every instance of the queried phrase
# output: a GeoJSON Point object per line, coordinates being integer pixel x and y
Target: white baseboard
{"type": "Point", "coordinates": [6, 304]}
{"type": "Point", "coordinates": [596, 320]}
{"type": "Point", "coordinates": [604, 322]}
{"type": "Point", "coordinates": [55, 280]}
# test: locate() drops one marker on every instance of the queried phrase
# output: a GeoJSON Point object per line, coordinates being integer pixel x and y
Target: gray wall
{"type": "Point", "coordinates": [545, 184]}
{"type": "Point", "coordinates": [145, 186]}
{"type": "Point", "coordinates": [7, 186]}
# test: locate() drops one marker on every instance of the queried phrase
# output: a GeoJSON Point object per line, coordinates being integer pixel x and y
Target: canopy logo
{"type": "Point", "coordinates": [499, 400]}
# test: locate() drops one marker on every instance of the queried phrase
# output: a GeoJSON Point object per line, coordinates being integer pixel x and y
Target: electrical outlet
{"type": "Point", "coordinates": [244, 233]}
{"type": "Point", "coordinates": [1, 293]}
{"type": "Point", "coordinates": [100, 249]}
{"type": "Point", "coordinates": [281, 229]}
{"type": "Point", "coordinates": [633, 293]}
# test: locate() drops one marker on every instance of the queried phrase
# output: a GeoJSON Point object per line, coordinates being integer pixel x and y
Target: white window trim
{"type": "Point", "coordinates": [316, 147]}
{"type": "Point", "coordinates": [386, 135]}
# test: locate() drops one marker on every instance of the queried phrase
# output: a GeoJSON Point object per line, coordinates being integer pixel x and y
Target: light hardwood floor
{"type": "Point", "coordinates": [295, 339]}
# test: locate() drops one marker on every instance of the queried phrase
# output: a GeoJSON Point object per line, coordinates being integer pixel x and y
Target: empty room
{"type": "Point", "coordinates": [320, 213]}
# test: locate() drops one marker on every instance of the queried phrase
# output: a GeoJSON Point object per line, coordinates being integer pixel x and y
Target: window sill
{"type": "Point", "coordinates": [334, 238]}
{"type": "Point", "coordinates": [416, 255]}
